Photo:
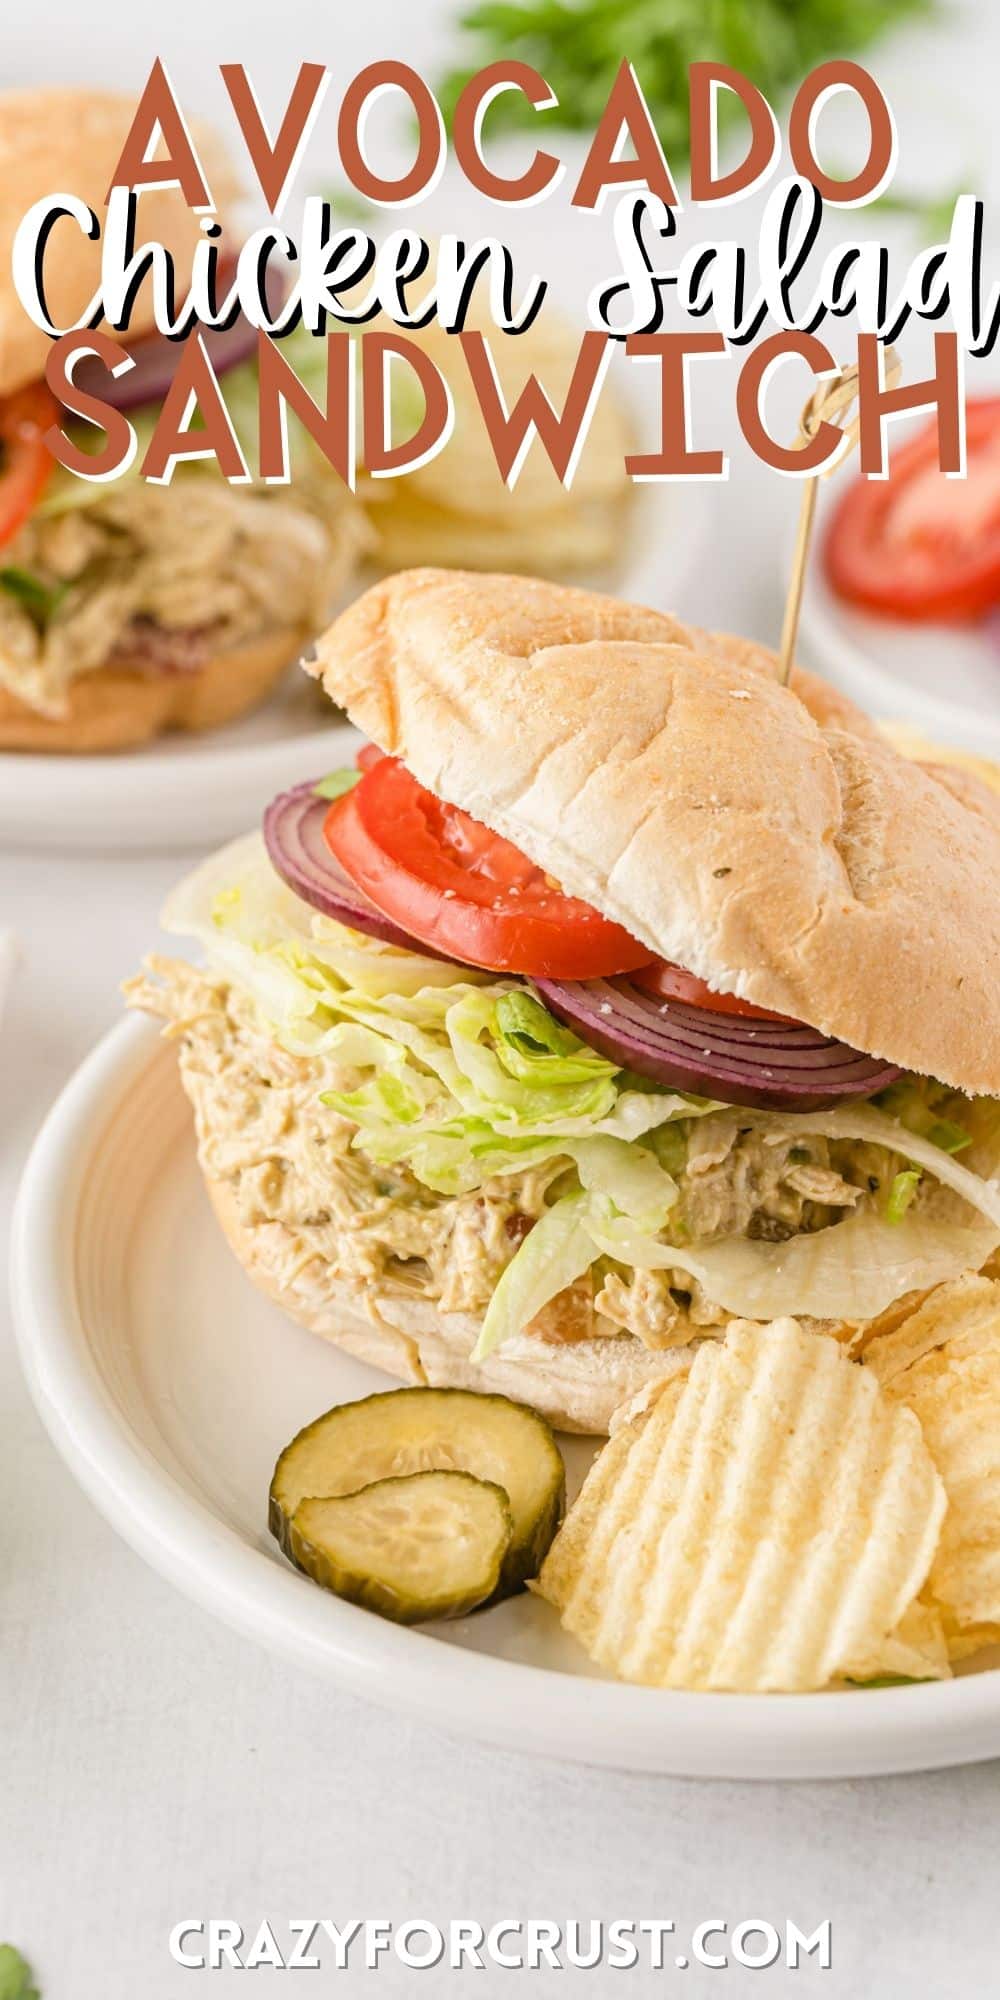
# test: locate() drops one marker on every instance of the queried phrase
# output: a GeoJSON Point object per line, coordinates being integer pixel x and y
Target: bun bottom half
{"type": "Point", "coordinates": [578, 1386]}
{"type": "Point", "coordinates": [120, 707]}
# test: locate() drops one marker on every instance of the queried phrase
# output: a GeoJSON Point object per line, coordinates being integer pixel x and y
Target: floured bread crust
{"type": "Point", "coordinates": [54, 141]}
{"type": "Point", "coordinates": [578, 1387]}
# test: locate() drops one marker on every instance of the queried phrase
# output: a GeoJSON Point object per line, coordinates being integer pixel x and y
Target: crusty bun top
{"type": "Point", "coordinates": [764, 837]}
{"type": "Point", "coordinates": [69, 142]}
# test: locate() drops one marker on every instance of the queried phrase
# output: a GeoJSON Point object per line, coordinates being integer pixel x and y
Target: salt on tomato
{"type": "Point", "coordinates": [449, 881]}
{"type": "Point", "coordinates": [671, 982]}
{"type": "Point", "coordinates": [25, 460]}
{"type": "Point", "coordinates": [919, 545]}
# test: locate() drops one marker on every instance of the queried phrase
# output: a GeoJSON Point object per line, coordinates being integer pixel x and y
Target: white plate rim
{"type": "Point", "coordinates": [161, 783]}
{"type": "Point", "coordinates": [521, 1706]}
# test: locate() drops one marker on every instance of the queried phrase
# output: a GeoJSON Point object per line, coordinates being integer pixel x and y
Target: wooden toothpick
{"type": "Point", "coordinates": [830, 404]}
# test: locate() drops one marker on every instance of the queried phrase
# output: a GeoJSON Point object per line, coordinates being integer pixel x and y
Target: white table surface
{"type": "Point", "coordinates": [153, 1766]}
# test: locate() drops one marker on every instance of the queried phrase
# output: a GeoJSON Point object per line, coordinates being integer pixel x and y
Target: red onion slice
{"type": "Point", "coordinates": [293, 835]}
{"type": "Point", "coordinates": [769, 1065]}
{"type": "Point", "coordinates": [155, 358]}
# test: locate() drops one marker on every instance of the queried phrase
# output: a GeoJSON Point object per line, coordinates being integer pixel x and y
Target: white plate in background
{"type": "Point", "coordinates": [169, 1385]}
{"type": "Point", "coordinates": [179, 791]}
{"type": "Point", "coordinates": [186, 791]}
{"type": "Point", "coordinates": [944, 679]}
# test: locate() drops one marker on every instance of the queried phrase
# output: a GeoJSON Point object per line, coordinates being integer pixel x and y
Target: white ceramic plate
{"type": "Point", "coordinates": [196, 791]}
{"type": "Point", "coordinates": [169, 1386]}
{"type": "Point", "coordinates": [944, 679]}
{"type": "Point", "coordinates": [180, 791]}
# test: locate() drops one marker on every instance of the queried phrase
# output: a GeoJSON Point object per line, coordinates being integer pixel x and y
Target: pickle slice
{"type": "Point", "coordinates": [432, 1430]}
{"type": "Point", "coordinates": [428, 1545]}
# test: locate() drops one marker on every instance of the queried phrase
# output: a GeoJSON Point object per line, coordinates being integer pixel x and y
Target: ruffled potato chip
{"type": "Point", "coordinates": [457, 510]}
{"type": "Point", "coordinates": [943, 1364]}
{"type": "Point", "coordinates": [961, 1306]}
{"type": "Point", "coordinates": [766, 1525]}
{"type": "Point", "coordinates": [411, 531]}
{"type": "Point", "coordinates": [916, 1651]}
{"type": "Point", "coordinates": [464, 477]}
{"type": "Point", "coordinates": [910, 743]}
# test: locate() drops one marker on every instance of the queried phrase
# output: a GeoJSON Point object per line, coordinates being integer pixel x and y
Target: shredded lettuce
{"type": "Point", "coordinates": [616, 1179]}
{"type": "Point", "coordinates": [461, 1077]}
{"type": "Point", "coordinates": [628, 1176]}
{"type": "Point", "coordinates": [555, 1253]}
{"type": "Point", "coordinates": [485, 1104]}
{"type": "Point", "coordinates": [852, 1271]}
{"type": "Point", "coordinates": [65, 491]}
{"type": "Point", "coordinates": [337, 783]}
{"type": "Point", "coordinates": [465, 1077]}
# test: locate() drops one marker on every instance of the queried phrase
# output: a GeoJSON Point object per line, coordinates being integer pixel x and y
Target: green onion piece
{"type": "Point", "coordinates": [905, 1101]}
{"type": "Point", "coordinates": [901, 1193]}
{"type": "Point", "coordinates": [38, 599]}
{"type": "Point", "coordinates": [950, 1137]}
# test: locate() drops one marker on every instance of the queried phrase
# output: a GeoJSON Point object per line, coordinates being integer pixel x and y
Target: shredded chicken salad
{"type": "Point", "coordinates": [384, 1116]}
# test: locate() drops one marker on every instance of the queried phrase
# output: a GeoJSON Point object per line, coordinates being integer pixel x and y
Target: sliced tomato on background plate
{"type": "Point", "coordinates": [919, 545]}
{"type": "Point", "coordinates": [448, 880]}
{"type": "Point", "coordinates": [25, 460]}
{"type": "Point", "coordinates": [671, 982]}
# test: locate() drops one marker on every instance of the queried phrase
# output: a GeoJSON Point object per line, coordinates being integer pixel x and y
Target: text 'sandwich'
{"type": "Point", "coordinates": [129, 608]}
{"type": "Point", "coordinates": [621, 993]}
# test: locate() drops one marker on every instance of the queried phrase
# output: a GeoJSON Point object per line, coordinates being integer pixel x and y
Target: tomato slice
{"type": "Point", "coordinates": [25, 460]}
{"type": "Point", "coordinates": [454, 885]}
{"type": "Point", "coordinates": [671, 982]}
{"type": "Point", "coordinates": [368, 755]}
{"type": "Point", "coordinates": [919, 545]}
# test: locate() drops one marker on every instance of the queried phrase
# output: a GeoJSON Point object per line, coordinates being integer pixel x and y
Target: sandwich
{"type": "Point", "coordinates": [128, 608]}
{"type": "Point", "coordinates": [620, 993]}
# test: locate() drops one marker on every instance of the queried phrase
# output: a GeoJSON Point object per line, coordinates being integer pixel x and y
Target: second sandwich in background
{"type": "Point", "coordinates": [130, 608]}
